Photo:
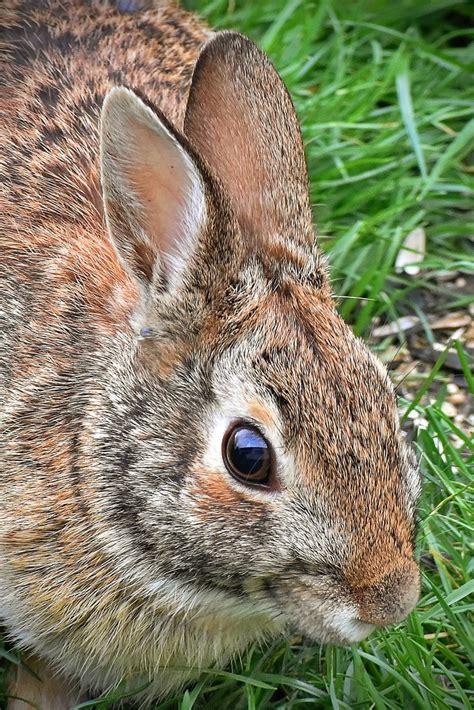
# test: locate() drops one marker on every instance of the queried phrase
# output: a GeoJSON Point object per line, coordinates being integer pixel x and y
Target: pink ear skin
{"type": "Point", "coordinates": [154, 195]}
{"type": "Point", "coordinates": [241, 120]}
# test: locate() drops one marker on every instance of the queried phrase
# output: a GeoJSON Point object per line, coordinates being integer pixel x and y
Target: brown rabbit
{"type": "Point", "coordinates": [196, 452]}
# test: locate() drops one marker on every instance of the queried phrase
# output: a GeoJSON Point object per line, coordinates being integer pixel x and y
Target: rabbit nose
{"type": "Point", "coordinates": [390, 600]}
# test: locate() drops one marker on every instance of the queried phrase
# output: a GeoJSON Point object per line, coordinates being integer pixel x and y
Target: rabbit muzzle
{"type": "Point", "coordinates": [326, 609]}
{"type": "Point", "coordinates": [390, 599]}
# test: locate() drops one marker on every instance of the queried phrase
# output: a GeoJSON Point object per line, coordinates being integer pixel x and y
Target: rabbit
{"type": "Point", "coordinates": [196, 453]}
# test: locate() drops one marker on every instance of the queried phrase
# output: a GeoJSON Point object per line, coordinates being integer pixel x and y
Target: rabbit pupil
{"type": "Point", "coordinates": [247, 455]}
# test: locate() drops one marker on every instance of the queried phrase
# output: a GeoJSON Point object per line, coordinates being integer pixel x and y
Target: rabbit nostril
{"type": "Point", "coordinates": [392, 598]}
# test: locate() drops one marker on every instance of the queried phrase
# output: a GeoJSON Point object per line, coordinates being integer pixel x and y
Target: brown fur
{"type": "Point", "coordinates": [144, 315]}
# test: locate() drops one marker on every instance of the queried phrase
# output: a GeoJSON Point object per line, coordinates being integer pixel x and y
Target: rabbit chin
{"type": "Point", "coordinates": [342, 629]}
{"type": "Point", "coordinates": [326, 620]}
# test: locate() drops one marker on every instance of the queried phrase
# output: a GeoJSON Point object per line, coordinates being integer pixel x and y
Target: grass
{"type": "Point", "coordinates": [384, 93]}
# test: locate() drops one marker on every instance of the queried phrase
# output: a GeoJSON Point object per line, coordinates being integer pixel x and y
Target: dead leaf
{"type": "Point", "coordinates": [430, 353]}
{"type": "Point", "coordinates": [412, 252]}
{"type": "Point", "coordinates": [456, 319]}
{"type": "Point", "coordinates": [400, 325]}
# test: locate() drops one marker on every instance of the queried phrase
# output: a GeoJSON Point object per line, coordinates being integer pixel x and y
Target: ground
{"type": "Point", "coordinates": [384, 94]}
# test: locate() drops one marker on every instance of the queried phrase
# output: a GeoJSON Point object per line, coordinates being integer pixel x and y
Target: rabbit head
{"type": "Point", "coordinates": [262, 469]}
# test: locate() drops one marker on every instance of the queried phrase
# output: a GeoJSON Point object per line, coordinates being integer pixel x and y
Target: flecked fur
{"type": "Point", "coordinates": [127, 552]}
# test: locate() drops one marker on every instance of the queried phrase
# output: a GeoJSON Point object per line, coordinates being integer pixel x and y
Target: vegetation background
{"type": "Point", "coordinates": [385, 94]}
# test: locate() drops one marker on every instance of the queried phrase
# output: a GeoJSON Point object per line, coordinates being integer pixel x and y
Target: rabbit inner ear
{"type": "Point", "coordinates": [241, 120]}
{"type": "Point", "coordinates": [153, 192]}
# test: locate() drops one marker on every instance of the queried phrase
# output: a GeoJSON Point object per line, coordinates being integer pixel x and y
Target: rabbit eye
{"type": "Point", "coordinates": [247, 455]}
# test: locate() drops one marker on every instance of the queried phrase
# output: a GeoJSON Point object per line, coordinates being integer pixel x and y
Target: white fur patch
{"type": "Point", "coordinates": [345, 623]}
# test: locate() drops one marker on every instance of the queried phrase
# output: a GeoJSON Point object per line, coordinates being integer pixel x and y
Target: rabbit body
{"type": "Point", "coordinates": [128, 554]}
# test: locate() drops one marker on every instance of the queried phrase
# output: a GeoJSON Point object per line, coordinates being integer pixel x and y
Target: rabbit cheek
{"type": "Point", "coordinates": [215, 500]}
{"type": "Point", "coordinates": [211, 492]}
{"type": "Point", "coordinates": [230, 521]}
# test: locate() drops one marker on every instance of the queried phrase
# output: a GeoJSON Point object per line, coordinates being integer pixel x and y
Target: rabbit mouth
{"type": "Point", "coordinates": [320, 616]}
{"type": "Point", "coordinates": [338, 626]}
{"type": "Point", "coordinates": [341, 630]}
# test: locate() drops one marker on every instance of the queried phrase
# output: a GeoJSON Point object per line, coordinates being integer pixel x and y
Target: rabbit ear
{"type": "Point", "coordinates": [154, 194]}
{"type": "Point", "coordinates": [241, 120]}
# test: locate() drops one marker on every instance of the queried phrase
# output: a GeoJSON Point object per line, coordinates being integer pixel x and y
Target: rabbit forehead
{"type": "Point", "coordinates": [308, 377]}
{"type": "Point", "coordinates": [325, 402]}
